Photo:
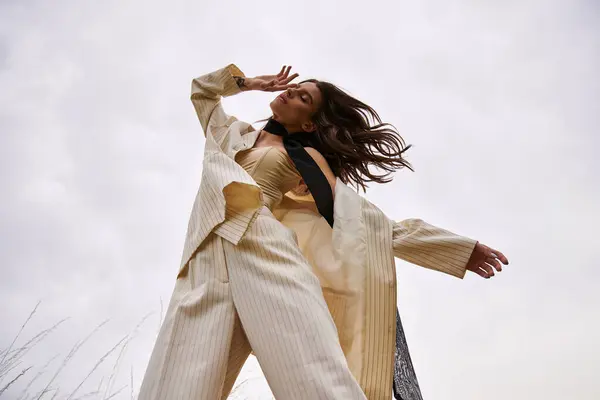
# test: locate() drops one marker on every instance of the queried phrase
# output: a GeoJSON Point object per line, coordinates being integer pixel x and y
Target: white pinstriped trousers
{"type": "Point", "coordinates": [260, 295]}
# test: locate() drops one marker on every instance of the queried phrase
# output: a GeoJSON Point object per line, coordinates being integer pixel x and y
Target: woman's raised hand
{"type": "Point", "coordinates": [273, 83]}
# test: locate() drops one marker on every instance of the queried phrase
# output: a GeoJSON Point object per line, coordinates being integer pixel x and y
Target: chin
{"type": "Point", "coordinates": [276, 110]}
{"type": "Point", "coordinates": [275, 106]}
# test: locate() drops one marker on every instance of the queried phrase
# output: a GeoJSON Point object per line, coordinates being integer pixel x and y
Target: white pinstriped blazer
{"type": "Point", "coordinates": [354, 260]}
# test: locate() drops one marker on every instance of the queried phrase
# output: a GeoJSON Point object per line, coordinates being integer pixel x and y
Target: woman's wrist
{"type": "Point", "coordinates": [244, 83]}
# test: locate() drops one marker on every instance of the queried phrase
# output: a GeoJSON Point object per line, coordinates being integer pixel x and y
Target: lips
{"type": "Point", "coordinates": [283, 99]}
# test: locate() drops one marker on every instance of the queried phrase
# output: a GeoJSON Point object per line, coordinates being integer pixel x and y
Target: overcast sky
{"type": "Point", "coordinates": [101, 155]}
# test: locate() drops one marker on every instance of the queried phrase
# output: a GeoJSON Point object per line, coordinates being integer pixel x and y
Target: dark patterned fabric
{"type": "Point", "coordinates": [406, 386]}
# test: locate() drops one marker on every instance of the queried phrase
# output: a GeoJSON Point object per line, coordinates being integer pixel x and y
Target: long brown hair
{"type": "Point", "coordinates": [350, 144]}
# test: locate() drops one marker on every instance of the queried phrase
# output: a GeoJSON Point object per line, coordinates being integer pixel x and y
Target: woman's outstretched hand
{"type": "Point", "coordinates": [484, 260]}
{"type": "Point", "coordinates": [272, 83]}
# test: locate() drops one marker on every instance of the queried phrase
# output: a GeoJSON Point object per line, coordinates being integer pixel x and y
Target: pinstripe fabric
{"type": "Point", "coordinates": [422, 244]}
{"type": "Point", "coordinates": [227, 195]}
{"type": "Point", "coordinates": [353, 261]}
{"type": "Point", "coordinates": [380, 305]}
{"type": "Point", "coordinates": [266, 282]}
{"type": "Point", "coordinates": [355, 265]}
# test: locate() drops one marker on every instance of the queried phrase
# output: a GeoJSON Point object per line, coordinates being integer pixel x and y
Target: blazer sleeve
{"type": "Point", "coordinates": [207, 91]}
{"type": "Point", "coordinates": [420, 243]}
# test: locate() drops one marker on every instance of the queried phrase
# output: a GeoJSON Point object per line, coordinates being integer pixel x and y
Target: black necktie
{"type": "Point", "coordinates": [314, 178]}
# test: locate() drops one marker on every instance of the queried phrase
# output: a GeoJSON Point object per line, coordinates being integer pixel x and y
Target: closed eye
{"type": "Point", "coordinates": [305, 96]}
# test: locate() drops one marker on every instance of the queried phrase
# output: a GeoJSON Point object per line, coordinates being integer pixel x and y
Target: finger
{"type": "Point", "coordinates": [500, 256]}
{"type": "Point", "coordinates": [481, 273]}
{"type": "Point", "coordinates": [282, 70]}
{"type": "Point", "coordinates": [291, 78]}
{"type": "Point", "coordinates": [283, 73]}
{"type": "Point", "coordinates": [287, 85]}
{"type": "Point", "coordinates": [275, 88]}
{"type": "Point", "coordinates": [282, 87]}
{"type": "Point", "coordinates": [494, 263]}
{"type": "Point", "coordinates": [488, 269]}
{"type": "Point", "coordinates": [286, 73]}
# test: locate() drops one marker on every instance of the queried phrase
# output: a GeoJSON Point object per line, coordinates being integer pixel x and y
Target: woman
{"type": "Point", "coordinates": [282, 260]}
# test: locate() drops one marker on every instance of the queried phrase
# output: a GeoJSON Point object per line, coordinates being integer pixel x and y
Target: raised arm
{"type": "Point", "coordinates": [207, 91]}
{"type": "Point", "coordinates": [420, 243]}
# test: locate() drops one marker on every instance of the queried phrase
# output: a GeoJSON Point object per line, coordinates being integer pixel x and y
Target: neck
{"type": "Point", "coordinates": [272, 136]}
{"type": "Point", "coordinates": [293, 129]}
{"type": "Point", "coordinates": [278, 128]}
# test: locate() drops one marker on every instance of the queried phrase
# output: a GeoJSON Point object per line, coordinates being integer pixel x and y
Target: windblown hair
{"type": "Point", "coordinates": [350, 144]}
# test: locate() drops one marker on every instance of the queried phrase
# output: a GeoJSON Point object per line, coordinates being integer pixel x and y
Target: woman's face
{"type": "Point", "coordinates": [295, 107]}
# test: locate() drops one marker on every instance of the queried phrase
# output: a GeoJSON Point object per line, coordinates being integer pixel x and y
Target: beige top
{"type": "Point", "coordinates": [272, 169]}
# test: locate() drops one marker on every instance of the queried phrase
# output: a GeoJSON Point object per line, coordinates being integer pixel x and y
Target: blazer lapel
{"type": "Point", "coordinates": [241, 136]}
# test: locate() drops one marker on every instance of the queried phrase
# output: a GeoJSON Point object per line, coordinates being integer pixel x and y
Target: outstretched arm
{"type": "Point", "coordinates": [420, 243]}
